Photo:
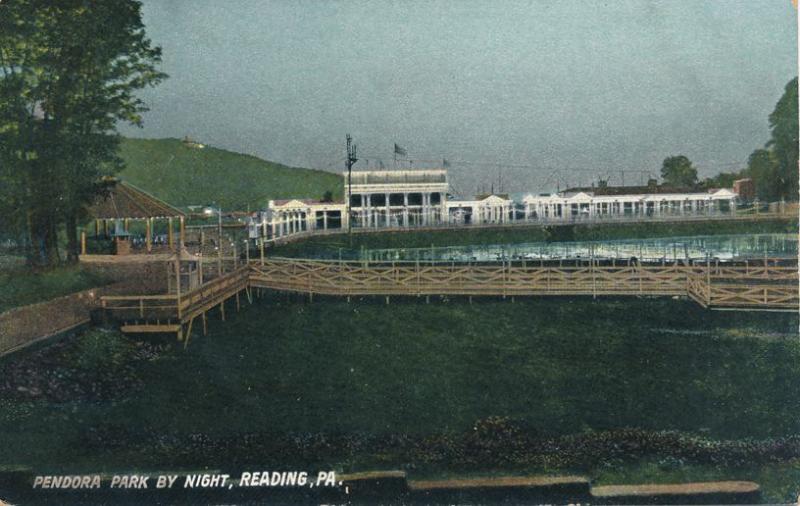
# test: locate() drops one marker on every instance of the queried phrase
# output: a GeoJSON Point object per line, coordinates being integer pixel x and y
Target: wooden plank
{"type": "Point", "coordinates": [147, 328]}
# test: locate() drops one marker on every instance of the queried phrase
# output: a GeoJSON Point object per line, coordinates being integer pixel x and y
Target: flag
{"type": "Point", "coordinates": [399, 151]}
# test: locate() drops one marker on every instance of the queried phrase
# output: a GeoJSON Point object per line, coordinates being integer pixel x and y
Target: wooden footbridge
{"type": "Point", "coordinates": [763, 284]}
{"type": "Point", "coordinates": [747, 284]}
{"type": "Point", "coordinates": [173, 312]}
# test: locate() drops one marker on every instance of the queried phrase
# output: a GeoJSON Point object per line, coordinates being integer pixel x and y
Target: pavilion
{"type": "Point", "coordinates": [121, 203]}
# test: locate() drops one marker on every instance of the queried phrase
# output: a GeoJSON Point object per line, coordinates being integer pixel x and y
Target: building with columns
{"type": "Point", "coordinates": [292, 216]}
{"type": "Point", "coordinates": [622, 202]}
{"type": "Point", "coordinates": [483, 210]}
{"type": "Point", "coordinates": [397, 198]}
{"type": "Point", "coordinates": [419, 198]}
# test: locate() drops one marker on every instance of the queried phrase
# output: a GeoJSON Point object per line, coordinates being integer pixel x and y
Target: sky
{"type": "Point", "coordinates": [516, 95]}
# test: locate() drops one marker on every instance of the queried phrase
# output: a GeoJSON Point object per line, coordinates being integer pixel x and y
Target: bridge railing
{"type": "Point", "coordinates": [772, 283]}
{"type": "Point", "coordinates": [775, 210]}
{"type": "Point", "coordinates": [141, 307]}
{"type": "Point", "coordinates": [210, 293]}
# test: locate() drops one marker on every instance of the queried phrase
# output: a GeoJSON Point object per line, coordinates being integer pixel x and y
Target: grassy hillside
{"type": "Point", "coordinates": [183, 175]}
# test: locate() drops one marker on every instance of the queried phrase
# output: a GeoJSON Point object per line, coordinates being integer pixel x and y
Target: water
{"type": "Point", "coordinates": [722, 247]}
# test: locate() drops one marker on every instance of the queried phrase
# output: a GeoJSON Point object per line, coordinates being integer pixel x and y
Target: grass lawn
{"type": "Point", "coordinates": [20, 286]}
{"type": "Point", "coordinates": [513, 235]}
{"type": "Point", "coordinates": [364, 385]}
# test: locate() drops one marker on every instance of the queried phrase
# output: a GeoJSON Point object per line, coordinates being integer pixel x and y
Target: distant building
{"type": "Point", "coordinates": [288, 217]}
{"type": "Point", "coordinates": [419, 198]}
{"type": "Point", "coordinates": [745, 189]}
{"type": "Point", "coordinates": [484, 209]}
{"type": "Point", "coordinates": [578, 203]}
{"type": "Point", "coordinates": [397, 198]}
{"type": "Point", "coordinates": [189, 143]}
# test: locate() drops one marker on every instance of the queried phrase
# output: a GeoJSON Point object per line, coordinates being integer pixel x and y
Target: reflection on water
{"type": "Point", "coordinates": [722, 247]}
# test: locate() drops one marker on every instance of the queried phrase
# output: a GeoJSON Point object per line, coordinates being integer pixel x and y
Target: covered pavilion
{"type": "Point", "coordinates": [121, 203]}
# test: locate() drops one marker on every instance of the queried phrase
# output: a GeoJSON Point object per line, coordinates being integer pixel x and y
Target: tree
{"type": "Point", "coordinates": [774, 168]}
{"type": "Point", "coordinates": [70, 70]}
{"type": "Point", "coordinates": [721, 180]}
{"type": "Point", "coordinates": [678, 171]}
{"type": "Point", "coordinates": [783, 144]}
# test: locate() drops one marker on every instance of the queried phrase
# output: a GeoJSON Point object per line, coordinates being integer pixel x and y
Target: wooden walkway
{"type": "Point", "coordinates": [760, 284]}
{"type": "Point", "coordinates": [765, 284]}
{"type": "Point", "coordinates": [172, 313]}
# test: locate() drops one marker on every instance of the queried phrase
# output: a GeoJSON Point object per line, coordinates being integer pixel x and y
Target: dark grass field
{"type": "Point", "coordinates": [20, 285]}
{"type": "Point", "coordinates": [353, 374]}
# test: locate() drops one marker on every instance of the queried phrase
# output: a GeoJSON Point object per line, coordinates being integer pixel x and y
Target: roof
{"type": "Point", "coordinates": [303, 203]}
{"type": "Point", "coordinates": [119, 200]}
{"type": "Point", "coordinates": [631, 190]}
{"type": "Point", "coordinates": [398, 176]}
{"type": "Point", "coordinates": [283, 202]}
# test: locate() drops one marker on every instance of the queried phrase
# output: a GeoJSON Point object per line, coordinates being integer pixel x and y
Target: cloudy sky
{"type": "Point", "coordinates": [536, 93]}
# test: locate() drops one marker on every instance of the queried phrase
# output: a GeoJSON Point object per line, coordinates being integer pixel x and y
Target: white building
{"type": "Point", "coordinates": [419, 198]}
{"type": "Point", "coordinates": [397, 198]}
{"type": "Point", "coordinates": [482, 210]}
{"type": "Point", "coordinates": [289, 217]}
{"type": "Point", "coordinates": [588, 205]}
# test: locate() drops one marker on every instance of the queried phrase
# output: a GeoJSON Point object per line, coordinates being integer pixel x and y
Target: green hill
{"type": "Point", "coordinates": [183, 175]}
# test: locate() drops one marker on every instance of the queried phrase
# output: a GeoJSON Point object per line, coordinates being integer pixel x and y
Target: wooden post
{"type": "Point", "coordinates": [188, 334]}
{"type": "Point", "coordinates": [182, 233]}
{"type": "Point", "coordinates": [235, 257]}
{"type": "Point", "coordinates": [96, 228]}
{"type": "Point", "coordinates": [222, 309]}
{"type": "Point", "coordinates": [105, 229]}
{"type": "Point", "coordinates": [178, 283]}
{"type": "Point", "coordinates": [219, 256]}
{"type": "Point", "coordinates": [639, 262]}
{"type": "Point", "coordinates": [262, 251]}
{"type": "Point", "coordinates": [147, 232]}
{"type": "Point", "coordinates": [83, 242]}
{"type": "Point", "coordinates": [247, 250]}
{"type": "Point", "coordinates": [205, 325]}
{"type": "Point", "coordinates": [594, 281]}
{"type": "Point", "coordinates": [171, 242]}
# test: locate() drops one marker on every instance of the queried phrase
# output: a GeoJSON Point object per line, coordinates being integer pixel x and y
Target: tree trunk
{"type": "Point", "coordinates": [45, 240]}
{"type": "Point", "coordinates": [54, 256]}
{"type": "Point", "coordinates": [73, 246]}
{"type": "Point", "coordinates": [30, 240]}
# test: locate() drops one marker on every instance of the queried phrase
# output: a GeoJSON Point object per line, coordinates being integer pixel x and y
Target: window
{"type": "Point", "coordinates": [436, 198]}
{"type": "Point", "coordinates": [415, 199]}
{"type": "Point", "coordinates": [355, 200]}
{"type": "Point", "coordinates": [377, 199]}
{"type": "Point", "coordinates": [396, 199]}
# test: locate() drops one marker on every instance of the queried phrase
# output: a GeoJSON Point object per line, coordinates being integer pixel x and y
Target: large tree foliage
{"type": "Point", "coordinates": [678, 171]}
{"type": "Point", "coordinates": [783, 144]}
{"type": "Point", "coordinates": [69, 71]}
{"type": "Point", "coordinates": [775, 168]}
